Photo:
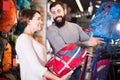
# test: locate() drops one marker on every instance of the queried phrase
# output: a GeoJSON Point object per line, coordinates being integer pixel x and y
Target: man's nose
{"type": "Point", "coordinates": [56, 14]}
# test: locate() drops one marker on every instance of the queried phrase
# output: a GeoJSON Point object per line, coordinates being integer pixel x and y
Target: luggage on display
{"type": "Point", "coordinates": [66, 59]}
{"type": "Point", "coordinates": [9, 69]}
{"type": "Point", "coordinates": [106, 21]}
{"type": "Point", "coordinates": [102, 70]}
{"type": "Point", "coordinates": [8, 15]}
{"type": "Point", "coordinates": [106, 24]}
{"type": "Point", "coordinates": [5, 55]}
{"type": "Point", "coordinates": [22, 4]}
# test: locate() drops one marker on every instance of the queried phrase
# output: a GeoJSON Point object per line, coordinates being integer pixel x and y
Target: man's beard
{"type": "Point", "coordinates": [60, 24]}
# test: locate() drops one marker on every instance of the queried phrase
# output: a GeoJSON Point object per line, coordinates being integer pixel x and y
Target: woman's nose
{"type": "Point", "coordinates": [41, 22]}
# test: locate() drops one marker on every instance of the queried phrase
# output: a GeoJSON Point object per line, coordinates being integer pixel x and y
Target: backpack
{"type": "Point", "coordinates": [8, 15]}
{"type": "Point", "coordinates": [5, 55]}
{"type": "Point", "coordinates": [66, 59]}
{"type": "Point", "coordinates": [102, 69]}
{"type": "Point", "coordinates": [105, 23]}
{"type": "Point", "coordinates": [22, 4]}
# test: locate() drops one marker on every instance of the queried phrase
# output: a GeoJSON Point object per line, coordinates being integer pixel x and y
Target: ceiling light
{"type": "Point", "coordinates": [90, 8]}
{"type": "Point", "coordinates": [53, 0]}
{"type": "Point", "coordinates": [97, 6]}
{"type": "Point", "coordinates": [79, 5]}
{"type": "Point", "coordinates": [99, 2]}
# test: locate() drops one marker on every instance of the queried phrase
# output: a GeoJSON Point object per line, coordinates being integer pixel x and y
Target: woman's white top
{"type": "Point", "coordinates": [31, 57]}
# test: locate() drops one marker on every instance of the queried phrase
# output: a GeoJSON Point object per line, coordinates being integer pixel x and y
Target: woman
{"type": "Point", "coordinates": [32, 55]}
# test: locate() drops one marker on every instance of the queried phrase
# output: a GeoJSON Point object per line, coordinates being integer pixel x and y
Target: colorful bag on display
{"type": "Point", "coordinates": [8, 15]}
{"type": "Point", "coordinates": [102, 69]}
{"type": "Point", "coordinates": [105, 22]}
{"type": "Point", "coordinates": [66, 59]}
{"type": "Point", "coordinates": [5, 55]}
{"type": "Point", "coordinates": [22, 4]}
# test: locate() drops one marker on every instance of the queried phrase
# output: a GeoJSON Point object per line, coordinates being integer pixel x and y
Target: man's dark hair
{"type": "Point", "coordinates": [56, 3]}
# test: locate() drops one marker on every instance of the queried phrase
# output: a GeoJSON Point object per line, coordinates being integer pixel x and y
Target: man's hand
{"type": "Point", "coordinates": [95, 41]}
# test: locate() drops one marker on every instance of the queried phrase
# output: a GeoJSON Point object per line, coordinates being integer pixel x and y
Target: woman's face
{"type": "Point", "coordinates": [36, 22]}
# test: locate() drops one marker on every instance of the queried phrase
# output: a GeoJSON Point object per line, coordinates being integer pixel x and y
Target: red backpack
{"type": "Point", "coordinates": [66, 59]}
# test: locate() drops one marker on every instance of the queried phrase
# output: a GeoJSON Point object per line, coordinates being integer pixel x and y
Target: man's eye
{"type": "Point", "coordinates": [59, 11]}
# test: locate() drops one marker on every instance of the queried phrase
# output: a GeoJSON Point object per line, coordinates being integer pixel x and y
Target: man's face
{"type": "Point", "coordinates": [58, 14]}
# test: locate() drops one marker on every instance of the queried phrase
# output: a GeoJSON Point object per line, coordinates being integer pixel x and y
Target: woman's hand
{"type": "Point", "coordinates": [67, 76]}
{"type": "Point", "coordinates": [51, 76]}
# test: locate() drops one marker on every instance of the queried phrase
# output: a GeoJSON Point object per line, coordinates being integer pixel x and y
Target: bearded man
{"type": "Point", "coordinates": [62, 33]}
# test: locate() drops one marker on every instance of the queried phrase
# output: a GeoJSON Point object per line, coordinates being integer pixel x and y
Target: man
{"type": "Point", "coordinates": [62, 32]}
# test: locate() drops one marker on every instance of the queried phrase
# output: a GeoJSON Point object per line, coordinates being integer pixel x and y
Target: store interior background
{"type": "Point", "coordinates": [82, 11]}
{"type": "Point", "coordinates": [78, 11]}
{"type": "Point", "coordinates": [81, 14]}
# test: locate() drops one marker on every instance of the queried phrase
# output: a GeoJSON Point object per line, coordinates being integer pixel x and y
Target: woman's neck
{"type": "Point", "coordinates": [28, 31]}
{"type": "Point", "coordinates": [29, 34]}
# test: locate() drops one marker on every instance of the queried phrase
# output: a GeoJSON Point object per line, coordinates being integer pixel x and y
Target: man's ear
{"type": "Point", "coordinates": [65, 10]}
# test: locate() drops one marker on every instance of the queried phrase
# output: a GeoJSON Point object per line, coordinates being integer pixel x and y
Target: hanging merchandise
{"type": "Point", "coordinates": [101, 71]}
{"type": "Point", "coordinates": [19, 4]}
{"type": "Point", "coordinates": [25, 4]}
{"type": "Point", "coordinates": [104, 24]}
{"type": "Point", "coordinates": [66, 59]}
{"type": "Point", "coordinates": [115, 67]}
{"type": "Point", "coordinates": [8, 15]}
{"type": "Point", "coordinates": [5, 55]}
{"type": "Point", "coordinates": [22, 4]}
